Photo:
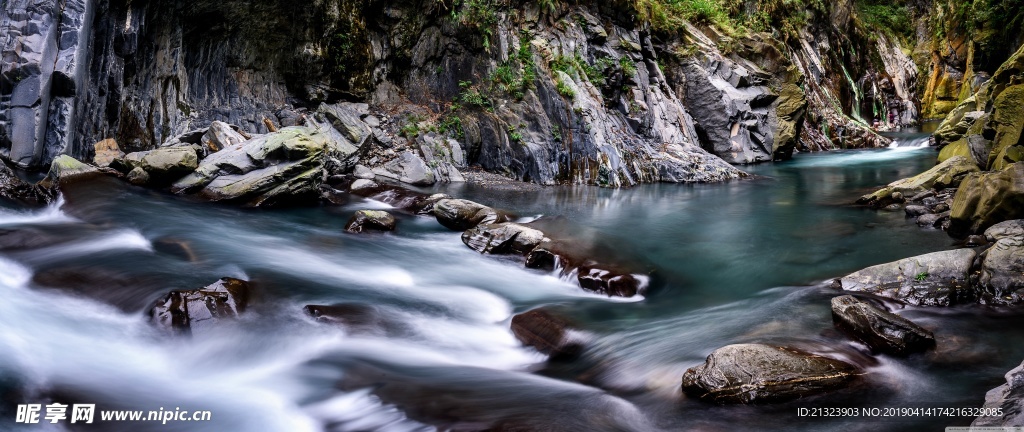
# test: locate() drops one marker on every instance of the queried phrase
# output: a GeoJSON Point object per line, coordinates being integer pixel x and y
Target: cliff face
{"type": "Point", "coordinates": [961, 44]}
{"type": "Point", "coordinates": [547, 92]}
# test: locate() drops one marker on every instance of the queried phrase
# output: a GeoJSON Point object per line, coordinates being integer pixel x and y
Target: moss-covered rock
{"type": "Point", "coordinates": [945, 175]}
{"type": "Point", "coordinates": [65, 170]}
{"type": "Point", "coordinates": [985, 199]}
{"type": "Point", "coordinates": [284, 167]}
{"type": "Point", "coordinates": [1008, 122]}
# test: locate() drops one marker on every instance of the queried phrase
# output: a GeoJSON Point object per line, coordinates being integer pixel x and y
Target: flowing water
{"type": "Point", "coordinates": [737, 262]}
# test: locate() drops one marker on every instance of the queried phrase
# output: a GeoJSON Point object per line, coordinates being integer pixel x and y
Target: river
{"type": "Point", "coordinates": [745, 261]}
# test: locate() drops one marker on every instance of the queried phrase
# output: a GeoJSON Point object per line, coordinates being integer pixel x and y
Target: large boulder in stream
{"type": "Point", "coordinates": [935, 279]}
{"type": "Point", "coordinates": [985, 199]}
{"type": "Point", "coordinates": [881, 330]}
{"type": "Point", "coordinates": [945, 175]}
{"type": "Point", "coordinates": [592, 275]}
{"type": "Point", "coordinates": [284, 167]}
{"type": "Point", "coordinates": [195, 310]}
{"type": "Point", "coordinates": [461, 215]}
{"type": "Point", "coordinates": [548, 333]}
{"type": "Point", "coordinates": [754, 373]}
{"type": "Point", "coordinates": [1004, 405]}
{"type": "Point", "coordinates": [65, 170]}
{"type": "Point", "coordinates": [503, 238]}
{"type": "Point", "coordinates": [370, 220]}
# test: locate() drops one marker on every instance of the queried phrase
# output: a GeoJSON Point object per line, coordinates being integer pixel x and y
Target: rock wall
{"type": "Point", "coordinates": [961, 44]}
{"type": "Point", "coordinates": [547, 93]}
{"type": "Point", "coordinates": [43, 49]}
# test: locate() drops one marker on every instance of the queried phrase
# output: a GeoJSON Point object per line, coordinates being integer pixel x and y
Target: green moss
{"type": "Point", "coordinates": [891, 17]}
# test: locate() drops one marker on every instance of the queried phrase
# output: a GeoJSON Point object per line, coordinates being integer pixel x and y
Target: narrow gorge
{"type": "Point", "coordinates": [511, 215]}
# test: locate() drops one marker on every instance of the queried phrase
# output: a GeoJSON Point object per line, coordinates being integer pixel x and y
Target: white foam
{"type": "Point", "coordinates": [51, 214]}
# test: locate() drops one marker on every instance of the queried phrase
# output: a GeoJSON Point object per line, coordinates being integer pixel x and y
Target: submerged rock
{"type": "Point", "coordinates": [503, 238]}
{"type": "Point", "coordinates": [985, 199]}
{"type": "Point", "coordinates": [370, 220]}
{"type": "Point", "coordinates": [752, 373]}
{"type": "Point", "coordinates": [881, 330]}
{"type": "Point", "coordinates": [192, 310]}
{"type": "Point", "coordinates": [548, 333]}
{"type": "Point", "coordinates": [935, 279]}
{"type": "Point", "coordinates": [357, 318]}
{"type": "Point", "coordinates": [129, 291]}
{"type": "Point", "coordinates": [461, 215]}
{"type": "Point", "coordinates": [1005, 403]}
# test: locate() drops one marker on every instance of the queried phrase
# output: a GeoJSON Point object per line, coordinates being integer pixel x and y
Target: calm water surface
{"type": "Point", "coordinates": [730, 263]}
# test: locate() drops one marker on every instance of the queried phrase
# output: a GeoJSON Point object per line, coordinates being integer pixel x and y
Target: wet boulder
{"type": "Point", "coordinates": [880, 330]}
{"type": "Point", "coordinates": [935, 279]}
{"type": "Point", "coordinates": [126, 290]}
{"type": "Point", "coordinates": [916, 210]}
{"type": "Point", "coordinates": [592, 275]}
{"type": "Point", "coordinates": [370, 220]}
{"type": "Point", "coordinates": [357, 318]}
{"type": "Point", "coordinates": [1004, 404]}
{"type": "Point", "coordinates": [461, 215]}
{"type": "Point", "coordinates": [610, 281]}
{"type": "Point", "coordinates": [66, 170]}
{"type": "Point", "coordinates": [397, 196]}
{"type": "Point", "coordinates": [986, 199]}
{"type": "Point", "coordinates": [932, 220]}
{"type": "Point", "coordinates": [503, 238]}
{"type": "Point", "coordinates": [755, 373]}
{"type": "Point", "coordinates": [945, 175]}
{"type": "Point", "coordinates": [20, 192]}
{"type": "Point", "coordinates": [548, 333]}
{"type": "Point", "coordinates": [195, 310]}
{"type": "Point", "coordinates": [1002, 272]}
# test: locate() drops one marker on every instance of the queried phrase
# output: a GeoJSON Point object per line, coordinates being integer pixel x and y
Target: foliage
{"type": "Point", "coordinates": [451, 125]}
{"type": "Point", "coordinates": [472, 97]}
{"type": "Point", "coordinates": [887, 16]}
{"type": "Point", "coordinates": [921, 276]}
{"type": "Point", "coordinates": [627, 66]}
{"type": "Point", "coordinates": [411, 128]}
{"type": "Point", "coordinates": [517, 74]}
{"type": "Point", "coordinates": [480, 15]}
{"type": "Point", "coordinates": [565, 89]}
{"type": "Point", "coordinates": [514, 135]}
